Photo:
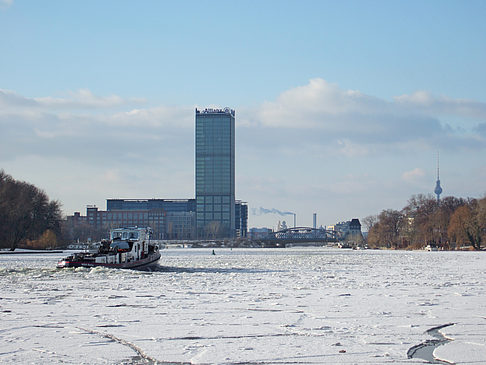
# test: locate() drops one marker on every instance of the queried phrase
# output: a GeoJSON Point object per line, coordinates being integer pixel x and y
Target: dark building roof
{"type": "Point", "coordinates": [355, 224]}
{"type": "Point", "coordinates": [169, 205]}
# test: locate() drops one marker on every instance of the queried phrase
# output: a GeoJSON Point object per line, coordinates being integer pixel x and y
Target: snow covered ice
{"type": "Point", "coordinates": [267, 306]}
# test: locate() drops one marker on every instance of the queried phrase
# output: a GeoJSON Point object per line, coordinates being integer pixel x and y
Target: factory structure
{"type": "Point", "coordinates": [214, 213]}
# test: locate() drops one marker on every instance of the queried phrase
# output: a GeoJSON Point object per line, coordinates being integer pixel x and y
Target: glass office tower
{"type": "Point", "coordinates": [215, 173]}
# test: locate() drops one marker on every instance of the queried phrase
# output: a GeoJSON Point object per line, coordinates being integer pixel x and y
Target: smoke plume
{"type": "Point", "coordinates": [261, 210]}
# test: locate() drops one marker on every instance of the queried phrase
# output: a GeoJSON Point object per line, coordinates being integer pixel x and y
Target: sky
{"type": "Point", "coordinates": [341, 107]}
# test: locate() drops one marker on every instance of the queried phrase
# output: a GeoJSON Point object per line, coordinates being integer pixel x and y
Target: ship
{"type": "Point", "coordinates": [127, 248]}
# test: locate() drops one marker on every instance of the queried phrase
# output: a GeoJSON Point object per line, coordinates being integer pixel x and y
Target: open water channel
{"type": "Point", "coordinates": [247, 306]}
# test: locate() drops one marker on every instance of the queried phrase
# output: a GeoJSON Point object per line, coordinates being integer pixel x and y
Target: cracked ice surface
{"type": "Point", "coordinates": [270, 306]}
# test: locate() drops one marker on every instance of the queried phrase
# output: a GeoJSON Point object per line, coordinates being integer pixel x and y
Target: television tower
{"type": "Point", "coordinates": [438, 189]}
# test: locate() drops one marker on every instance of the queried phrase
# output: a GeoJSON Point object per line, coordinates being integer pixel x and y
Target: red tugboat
{"type": "Point", "coordinates": [127, 248]}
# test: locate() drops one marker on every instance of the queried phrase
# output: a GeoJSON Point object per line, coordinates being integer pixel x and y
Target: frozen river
{"type": "Point", "coordinates": [246, 306]}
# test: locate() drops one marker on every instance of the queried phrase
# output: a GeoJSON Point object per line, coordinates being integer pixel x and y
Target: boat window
{"type": "Point", "coordinates": [125, 235]}
{"type": "Point", "coordinates": [115, 235]}
{"type": "Point", "coordinates": [133, 235]}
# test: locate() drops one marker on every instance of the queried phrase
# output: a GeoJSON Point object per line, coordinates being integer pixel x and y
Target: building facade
{"type": "Point", "coordinates": [260, 233]}
{"type": "Point", "coordinates": [241, 219]}
{"type": "Point", "coordinates": [349, 230]}
{"type": "Point", "coordinates": [170, 219]}
{"type": "Point", "coordinates": [215, 173]}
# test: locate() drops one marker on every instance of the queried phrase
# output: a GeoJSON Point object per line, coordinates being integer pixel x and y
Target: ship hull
{"type": "Point", "coordinates": [146, 262]}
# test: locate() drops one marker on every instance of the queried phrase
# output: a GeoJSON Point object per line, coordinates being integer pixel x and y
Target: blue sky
{"type": "Point", "coordinates": [341, 106]}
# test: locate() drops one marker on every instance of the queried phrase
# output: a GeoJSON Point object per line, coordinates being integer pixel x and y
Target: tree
{"type": "Point", "coordinates": [369, 221]}
{"type": "Point", "coordinates": [466, 226]}
{"type": "Point", "coordinates": [46, 241]}
{"type": "Point", "coordinates": [425, 221]}
{"type": "Point", "coordinates": [82, 231]}
{"type": "Point", "coordinates": [481, 216]}
{"type": "Point", "coordinates": [25, 212]}
{"type": "Point", "coordinates": [386, 231]}
{"type": "Point", "coordinates": [441, 219]}
{"type": "Point", "coordinates": [419, 210]}
{"type": "Point", "coordinates": [428, 220]}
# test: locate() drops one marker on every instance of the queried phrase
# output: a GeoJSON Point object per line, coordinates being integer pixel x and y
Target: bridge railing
{"type": "Point", "coordinates": [304, 234]}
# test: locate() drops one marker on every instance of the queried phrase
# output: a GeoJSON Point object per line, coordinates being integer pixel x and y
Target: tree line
{"type": "Point", "coordinates": [27, 216]}
{"type": "Point", "coordinates": [451, 223]}
{"type": "Point", "coordinates": [29, 219]}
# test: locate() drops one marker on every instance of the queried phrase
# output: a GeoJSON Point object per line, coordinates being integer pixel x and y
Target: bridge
{"type": "Point", "coordinates": [302, 234]}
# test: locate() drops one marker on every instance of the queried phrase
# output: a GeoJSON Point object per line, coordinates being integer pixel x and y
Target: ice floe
{"type": "Point", "coordinates": [247, 306]}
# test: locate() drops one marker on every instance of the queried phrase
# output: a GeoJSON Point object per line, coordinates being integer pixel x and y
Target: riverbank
{"type": "Point", "coordinates": [30, 252]}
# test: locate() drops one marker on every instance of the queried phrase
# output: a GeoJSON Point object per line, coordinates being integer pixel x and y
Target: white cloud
{"type": "Point", "coordinates": [179, 117]}
{"type": "Point", "coordinates": [84, 98]}
{"type": "Point", "coordinates": [316, 145]}
{"type": "Point", "coordinates": [355, 119]}
{"type": "Point", "coordinates": [85, 126]}
{"type": "Point", "coordinates": [418, 98]}
{"type": "Point", "coordinates": [111, 176]}
{"type": "Point", "coordinates": [80, 99]}
{"type": "Point", "coordinates": [424, 102]}
{"type": "Point", "coordinates": [350, 149]}
{"type": "Point", "coordinates": [413, 175]}
{"type": "Point", "coordinates": [5, 3]}
{"type": "Point", "coordinates": [318, 118]}
{"type": "Point", "coordinates": [10, 99]}
{"type": "Point", "coordinates": [314, 105]}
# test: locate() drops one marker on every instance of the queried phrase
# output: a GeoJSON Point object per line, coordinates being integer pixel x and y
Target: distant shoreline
{"type": "Point", "coordinates": [27, 252]}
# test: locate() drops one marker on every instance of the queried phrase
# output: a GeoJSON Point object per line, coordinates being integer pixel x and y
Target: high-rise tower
{"type": "Point", "coordinates": [215, 173]}
{"type": "Point", "coordinates": [438, 189]}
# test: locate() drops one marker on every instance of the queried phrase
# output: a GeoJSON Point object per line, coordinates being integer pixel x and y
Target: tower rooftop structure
{"type": "Point", "coordinates": [438, 188]}
{"type": "Point", "coordinates": [216, 111]}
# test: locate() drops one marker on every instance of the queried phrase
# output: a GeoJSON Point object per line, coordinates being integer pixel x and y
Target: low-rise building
{"type": "Point", "coordinates": [260, 233]}
{"type": "Point", "coordinates": [172, 219]}
{"type": "Point", "coordinates": [348, 230]}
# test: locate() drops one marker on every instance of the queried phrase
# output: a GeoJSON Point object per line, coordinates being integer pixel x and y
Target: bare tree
{"type": "Point", "coordinates": [369, 221]}
{"type": "Point", "coordinates": [386, 231]}
{"type": "Point", "coordinates": [82, 231]}
{"type": "Point", "coordinates": [425, 221]}
{"type": "Point", "coordinates": [25, 212]}
{"type": "Point", "coordinates": [466, 226]}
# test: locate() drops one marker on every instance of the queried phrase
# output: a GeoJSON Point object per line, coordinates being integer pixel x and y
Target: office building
{"type": "Point", "coordinates": [241, 218]}
{"type": "Point", "coordinates": [213, 213]}
{"type": "Point", "coordinates": [215, 173]}
{"type": "Point", "coordinates": [171, 219]}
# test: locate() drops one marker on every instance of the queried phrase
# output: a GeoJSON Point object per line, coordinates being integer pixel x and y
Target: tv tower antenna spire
{"type": "Point", "coordinates": [438, 189]}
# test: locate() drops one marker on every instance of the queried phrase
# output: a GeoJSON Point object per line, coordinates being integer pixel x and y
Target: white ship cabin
{"type": "Point", "coordinates": [130, 234]}
{"type": "Point", "coordinates": [129, 243]}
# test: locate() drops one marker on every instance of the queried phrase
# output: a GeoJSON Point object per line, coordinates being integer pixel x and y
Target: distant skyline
{"type": "Point", "coordinates": [341, 107]}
